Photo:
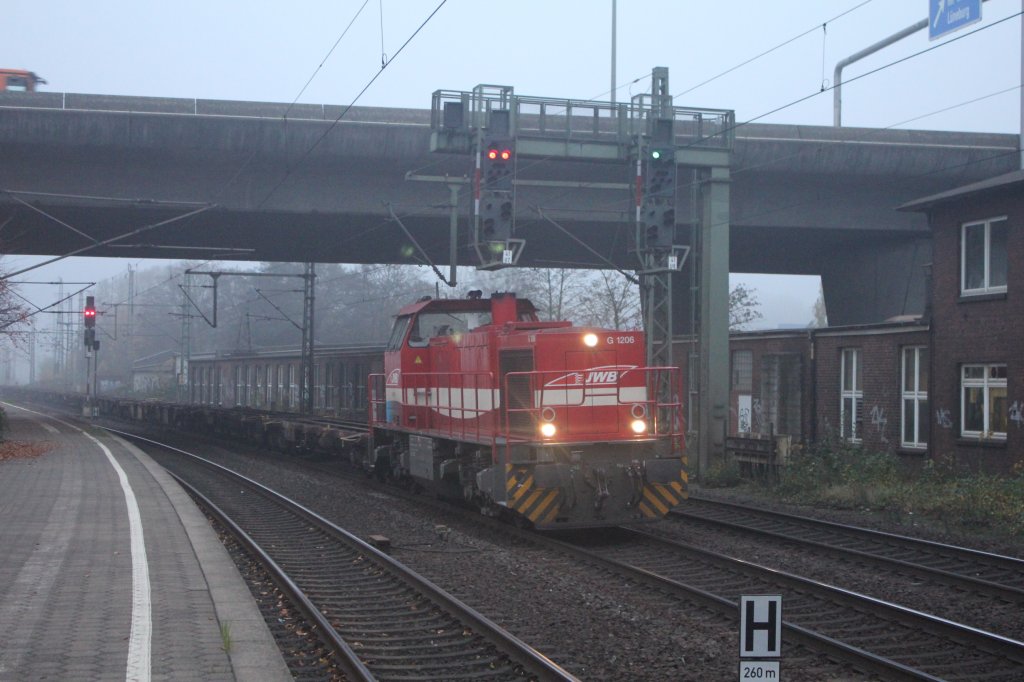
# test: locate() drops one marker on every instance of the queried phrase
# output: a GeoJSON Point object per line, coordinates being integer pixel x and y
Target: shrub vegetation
{"type": "Point", "coordinates": [840, 475]}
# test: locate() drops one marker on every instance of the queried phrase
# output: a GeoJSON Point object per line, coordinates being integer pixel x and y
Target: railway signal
{"type": "Point", "coordinates": [496, 205]}
{"type": "Point", "coordinates": [89, 314]}
{"type": "Point", "coordinates": [89, 317]}
{"type": "Point", "coordinates": [658, 205]}
{"type": "Point", "coordinates": [496, 166]}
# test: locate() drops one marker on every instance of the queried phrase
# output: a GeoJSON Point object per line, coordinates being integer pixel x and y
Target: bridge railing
{"type": "Point", "coordinates": [72, 101]}
{"type": "Point", "coordinates": [573, 119]}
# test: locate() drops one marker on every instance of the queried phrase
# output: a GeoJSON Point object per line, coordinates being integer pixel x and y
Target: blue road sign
{"type": "Point", "coordinates": [946, 16]}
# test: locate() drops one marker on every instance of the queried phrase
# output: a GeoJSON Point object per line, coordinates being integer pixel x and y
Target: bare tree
{"type": "Point", "coordinates": [820, 317]}
{"type": "Point", "coordinates": [611, 300]}
{"type": "Point", "coordinates": [743, 307]}
{"type": "Point", "coordinates": [14, 314]}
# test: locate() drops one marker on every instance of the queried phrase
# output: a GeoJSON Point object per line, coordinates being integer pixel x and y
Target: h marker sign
{"type": "Point", "coordinates": [760, 637]}
{"type": "Point", "coordinates": [946, 16]}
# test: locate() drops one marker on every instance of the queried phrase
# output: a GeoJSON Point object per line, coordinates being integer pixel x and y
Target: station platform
{"type": "Point", "coordinates": [108, 571]}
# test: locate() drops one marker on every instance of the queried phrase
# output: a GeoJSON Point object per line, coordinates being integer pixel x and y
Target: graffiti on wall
{"type": "Point", "coordinates": [757, 408]}
{"type": "Point", "coordinates": [943, 418]}
{"type": "Point", "coordinates": [1017, 413]}
{"type": "Point", "coordinates": [743, 414]}
{"type": "Point", "coordinates": [879, 419]}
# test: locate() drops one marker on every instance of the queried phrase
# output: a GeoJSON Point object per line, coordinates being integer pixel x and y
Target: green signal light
{"type": "Point", "coordinates": [656, 154]}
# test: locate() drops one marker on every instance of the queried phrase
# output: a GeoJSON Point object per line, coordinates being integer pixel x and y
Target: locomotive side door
{"type": "Point", "coordinates": [515, 417]}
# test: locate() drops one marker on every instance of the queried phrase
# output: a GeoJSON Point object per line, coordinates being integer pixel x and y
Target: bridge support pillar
{"type": "Point", "coordinates": [713, 320]}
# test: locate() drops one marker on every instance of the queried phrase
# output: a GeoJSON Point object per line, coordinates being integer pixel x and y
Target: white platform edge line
{"type": "Point", "coordinates": [140, 645]}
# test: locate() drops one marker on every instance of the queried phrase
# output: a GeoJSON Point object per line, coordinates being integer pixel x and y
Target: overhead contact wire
{"type": "Point", "coordinates": [348, 108]}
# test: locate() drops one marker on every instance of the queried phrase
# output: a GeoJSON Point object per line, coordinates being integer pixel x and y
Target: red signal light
{"type": "Point", "coordinates": [492, 154]}
{"type": "Point", "coordinates": [506, 154]}
{"type": "Point", "coordinates": [90, 312]}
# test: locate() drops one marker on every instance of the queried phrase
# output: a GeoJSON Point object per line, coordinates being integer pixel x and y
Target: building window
{"type": "Point", "coordinates": [851, 395]}
{"type": "Point", "coordinates": [742, 370]}
{"type": "Point", "coordinates": [983, 257]}
{"type": "Point", "coordinates": [915, 397]}
{"type": "Point", "coordinates": [983, 401]}
{"type": "Point", "coordinates": [293, 388]}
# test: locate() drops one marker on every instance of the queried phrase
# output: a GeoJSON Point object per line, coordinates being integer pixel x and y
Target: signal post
{"type": "Point", "coordinates": [653, 139]}
{"type": "Point", "coordinates": [92, 347]}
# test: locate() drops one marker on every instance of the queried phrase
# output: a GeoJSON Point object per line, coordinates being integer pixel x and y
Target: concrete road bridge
{"type": "Point", "coordinates": [265, 182]}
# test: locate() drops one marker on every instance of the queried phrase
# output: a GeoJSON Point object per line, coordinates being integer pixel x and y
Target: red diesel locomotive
{"type": "Point", "coordinates": [554, 424]}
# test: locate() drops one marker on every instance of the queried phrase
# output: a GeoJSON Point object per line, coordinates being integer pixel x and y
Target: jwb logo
{"type": "Point", "coordinates": [605, 377]}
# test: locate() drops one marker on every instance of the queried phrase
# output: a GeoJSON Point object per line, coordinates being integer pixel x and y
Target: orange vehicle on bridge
{"type": "Point", "coordinates": [18, 80]}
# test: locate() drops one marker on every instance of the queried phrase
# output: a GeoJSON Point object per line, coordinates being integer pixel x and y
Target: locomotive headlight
{"type": "Point", "coordinates": [590, 340]}
{"type": "Point", "coordinates": [639, 426]}
{"type": "Point", "coordinates": [547, 429]}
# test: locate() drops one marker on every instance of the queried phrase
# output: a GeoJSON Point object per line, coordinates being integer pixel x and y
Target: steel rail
{"type": "Point", "coordinates": [1014, 563]}
{"type": "Point", "coordinates": [795, 634]}
{"type": "Point", "coordinates": [518, 651]}
{"type": "Point", "coordinates": [347, 659]}
{"type": "Point", "coordinates": [991, 588]}
{"type": "Point", "coordinates": [993, 644]}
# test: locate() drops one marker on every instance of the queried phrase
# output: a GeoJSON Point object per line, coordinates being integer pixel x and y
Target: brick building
{"type": "Point", "coordinates": [871, 385]}
{"type": "Point", "coordinates": [949, 384]}
{"type": "Point", "coordinates": [866, 384]}
{"type": "Point", "coordinates": [977, 379]}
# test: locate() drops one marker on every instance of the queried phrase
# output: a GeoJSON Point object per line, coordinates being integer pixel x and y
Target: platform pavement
{"type": "Point", "coordinates": [76, 600]}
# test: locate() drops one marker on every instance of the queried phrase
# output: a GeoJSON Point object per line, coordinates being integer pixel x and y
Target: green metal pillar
{"type": "Point", "coordinates": [714, 316]}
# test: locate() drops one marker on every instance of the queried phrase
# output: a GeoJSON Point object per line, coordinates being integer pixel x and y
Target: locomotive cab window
{"type": "Point", "coordinates": [431, 325]}
{"type": "Point", "coordinates": [398, 333]}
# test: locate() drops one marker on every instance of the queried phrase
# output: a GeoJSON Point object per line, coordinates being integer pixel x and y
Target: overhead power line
{"type": "Point", "coordinates": [883, 67]}
{"type": "Point", "coordinates": [773, 49]}
{"type": "Point", "coordinates": [302, 159]}
{"type": "Point", "coordinates": [327, 56]}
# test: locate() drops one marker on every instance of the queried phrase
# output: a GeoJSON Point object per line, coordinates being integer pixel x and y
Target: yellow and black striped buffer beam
{"type": "Point", "coordinates": [659, 498]}
{"type": "Point", "coordinates": [539, 505]}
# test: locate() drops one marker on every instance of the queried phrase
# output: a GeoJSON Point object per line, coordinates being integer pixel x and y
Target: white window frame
{"type": "Point", "coordinates": [293, 388]}
{"type": "Point", "coordinates": [855, 393]}
{"type": "Point", "coordinates": [986, 288]}
{"type": "Point", "coordinates": [916, 393]}
{"type": "Point", "coordinates": [238, 385]}
{"type": "Point", "coordinates": [986, 383]}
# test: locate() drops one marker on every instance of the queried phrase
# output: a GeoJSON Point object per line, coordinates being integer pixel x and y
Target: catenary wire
{"type": "Point", "coordinates": [773, 49]}
{"type": "Point", "coordinates": [305, 155]}
{"type": "Point", "coordinates": [329, 53]}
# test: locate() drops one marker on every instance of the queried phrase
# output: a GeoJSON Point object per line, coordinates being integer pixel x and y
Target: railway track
{"type": "Point", "coordinates": [383, 621]}
{"type": "Point", "coordinates": [866, 633]}
{"type": "Point", "coordinates": [872, 635]}
{"type": "Point", "coordinates": [994, 575]}
{"type": "Point", "coordinates": [846, 627]}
